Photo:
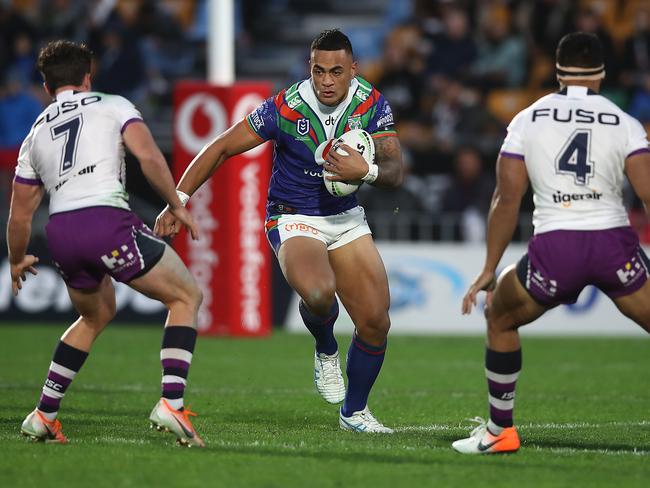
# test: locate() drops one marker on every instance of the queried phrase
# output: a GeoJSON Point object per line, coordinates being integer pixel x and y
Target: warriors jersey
{"type": "Point", "coordinates": [574, 144]}
{"type": "Point", "coordinates": [300, 126]}
{"type": "Point", "coordinates": [75, 150]}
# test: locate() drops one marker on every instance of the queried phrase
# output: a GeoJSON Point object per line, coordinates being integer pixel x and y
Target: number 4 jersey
{"type": "Point", "coordinates": [75, 150]}
{"type": "Point", "coordinates": [574, 144]}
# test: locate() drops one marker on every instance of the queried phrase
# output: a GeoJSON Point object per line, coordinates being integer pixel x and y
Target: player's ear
{"type": "Point", "coordinates": [353, 69]}
{"type": "Point", "coordinates": [47, 90]}
{"type": "Point", "coordinates": [86, 82]}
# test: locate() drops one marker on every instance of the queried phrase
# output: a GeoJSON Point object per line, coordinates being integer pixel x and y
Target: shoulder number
{"type": "Point", "coordinates": [574, 157]}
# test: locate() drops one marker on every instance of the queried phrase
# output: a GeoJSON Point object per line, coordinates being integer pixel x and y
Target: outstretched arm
{"type": "Point", "coordinates": [512, 182]}
{"type": "Point", "coordinates": [25, 199]}
{"type": "Point", "coordinates": [238, 139]}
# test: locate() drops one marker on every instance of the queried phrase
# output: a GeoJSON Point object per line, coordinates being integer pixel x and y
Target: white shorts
{"type": "Point", "coordinates": [333, 230]}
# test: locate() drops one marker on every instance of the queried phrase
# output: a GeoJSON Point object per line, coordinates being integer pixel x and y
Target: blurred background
{"type": "Point", "coordinates": [454, 72]}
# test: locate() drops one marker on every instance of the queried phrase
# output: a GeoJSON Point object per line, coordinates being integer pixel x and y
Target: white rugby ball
{"type": "Point", "coordinates": [359, 140]}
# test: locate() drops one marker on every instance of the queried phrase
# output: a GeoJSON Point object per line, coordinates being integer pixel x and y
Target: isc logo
{"type": "Point", "coordinates": [53, 385]}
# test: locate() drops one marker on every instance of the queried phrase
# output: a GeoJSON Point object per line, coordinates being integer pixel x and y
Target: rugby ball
{"type": "Point", "coordinates": [359, 140]}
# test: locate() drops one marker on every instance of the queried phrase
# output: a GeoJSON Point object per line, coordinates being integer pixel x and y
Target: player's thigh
{"type": "Point", "coordinates": [361, 281]}
{"type": "Point", "coordinates": [95, 305]}
{"type": "Point", "coordinates": [168, 281]}
{"type": "Point", "coordinates": [306, 267]}
{"type": "Point", "coordinates": [636, 305]}
{"type": "Point", "coordinates": [512, 306]}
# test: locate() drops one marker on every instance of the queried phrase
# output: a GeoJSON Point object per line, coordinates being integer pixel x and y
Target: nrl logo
{"type": "Point", "coordinates": [354, 122]}
{"type": "Point", "coordinates": [302, 126]}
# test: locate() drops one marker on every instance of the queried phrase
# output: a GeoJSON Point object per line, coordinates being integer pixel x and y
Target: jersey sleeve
{"type": "Point", "coordinates": [263, 121]}
{"type": "Point", "coordinates": [513, 144]}
{"type": "Point", "coordinates": [124, 111]}
{"type": "Point", "coordinates": [25, 171]}
{"type": "Point", "coordinates": [637, 139]}
{"type": "Point", "coordinates": [382, 123]}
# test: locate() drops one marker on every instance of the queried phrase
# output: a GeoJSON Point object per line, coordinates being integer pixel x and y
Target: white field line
{"type": "Point", "coordinates": [529, 426]}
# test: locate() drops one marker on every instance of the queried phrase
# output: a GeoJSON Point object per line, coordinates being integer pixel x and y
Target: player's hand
{"type": "Point", "coordinates": [346, 168]}
{"type": "Point", "coordinates": [185, 218]}
{"type": "Point", "coordinates": [18, 272]}
{"type": "Point", "coordinates": [485, 281]}
{"type": "Point", "coordinates": [166, 224]}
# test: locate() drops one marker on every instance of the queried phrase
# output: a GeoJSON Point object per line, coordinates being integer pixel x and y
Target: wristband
{"type": "Point", "coordinates": [371, 176]}
{"type": "Point", "coordinates": [183, 197]}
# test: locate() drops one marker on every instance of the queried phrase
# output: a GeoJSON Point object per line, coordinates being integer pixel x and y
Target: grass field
{"type": "Point", "coordinates": [583, 411]}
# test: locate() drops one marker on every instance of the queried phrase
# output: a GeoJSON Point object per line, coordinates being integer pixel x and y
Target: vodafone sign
{"type": "Point", "coordinates": [231, 261]}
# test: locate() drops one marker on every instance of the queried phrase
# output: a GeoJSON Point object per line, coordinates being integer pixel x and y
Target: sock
{"type": "Point", "coordinates": [322, 328]}
{"type": "Point", "coordinates": [363, 365]}
{"type": "Point", "coordinates": [502, 370]}
{"type": "Point", "coordinates": [176, 356]}
{"type": "Point", "coordinates": [66, 362]}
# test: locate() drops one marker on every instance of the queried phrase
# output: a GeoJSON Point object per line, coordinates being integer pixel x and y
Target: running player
{"type": "Point", "coordinates": [575, 147]}
{"type": "Point", "coordinates": [323, 243]}
{"type": "Point", "coordinates": [75, 153]}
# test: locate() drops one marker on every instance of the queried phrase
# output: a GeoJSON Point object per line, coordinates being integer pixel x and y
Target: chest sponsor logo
{"type": "Point", "coordinates": [302, 126]}
{"type": "Point", "coordinates": [354, 122]}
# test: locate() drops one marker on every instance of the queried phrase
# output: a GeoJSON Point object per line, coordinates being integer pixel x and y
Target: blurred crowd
{"type": "Point", "coordinates": [455, 72]}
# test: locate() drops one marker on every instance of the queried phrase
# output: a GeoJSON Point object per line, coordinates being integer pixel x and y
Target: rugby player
{"type": "Point", "coordinates": [323, 243]}
{"type": "Point", "coordinates": [575, 147]}
{"type": "Point", "coordinates": [75, 153]}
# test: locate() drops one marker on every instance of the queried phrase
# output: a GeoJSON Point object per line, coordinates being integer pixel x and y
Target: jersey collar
{"type": "Point", "coordinates": [65, 95]}
{"type": "Point", "coordinates": [577, 91]}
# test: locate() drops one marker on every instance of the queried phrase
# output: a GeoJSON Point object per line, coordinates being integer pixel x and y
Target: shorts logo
{"type": "Point", "coordinates": [630, 271]}
{"type": "Point", "coordinates": [301, 228]}
{"type": "Point", "coordinates": [115, 261]}
{"type": "Point", "coordinates": [302, 126]}
{"type": "Point", "coordinates": [354, 122]}
{"type": "Point", "coordinates": [549, 288]}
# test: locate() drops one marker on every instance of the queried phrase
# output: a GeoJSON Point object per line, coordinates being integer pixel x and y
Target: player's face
{"type": "Point", "coordinates": [331, 73]}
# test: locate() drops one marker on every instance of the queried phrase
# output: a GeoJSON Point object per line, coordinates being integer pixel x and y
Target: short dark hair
{"type": "Point", "coordinates": [579, 49]}
{"type": "Point", "coordinates": [332, 40]}
{"type": "Point", "coordinates": [64, 63]}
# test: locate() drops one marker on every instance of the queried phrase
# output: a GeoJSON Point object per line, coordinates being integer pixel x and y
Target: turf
{"type": "Point", "coordinates": [582, 410]}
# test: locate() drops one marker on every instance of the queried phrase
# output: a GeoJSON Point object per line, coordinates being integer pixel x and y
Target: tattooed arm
{"type": "Point", "coordinates": [388, 156]}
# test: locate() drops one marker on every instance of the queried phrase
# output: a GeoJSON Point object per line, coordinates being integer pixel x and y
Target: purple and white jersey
{"type": "Point", "coordinates": [299, 125]}
{"type": "Point", "coordinates": [75, 150]}
{"type": "Point", "coordinates": [574, 144]}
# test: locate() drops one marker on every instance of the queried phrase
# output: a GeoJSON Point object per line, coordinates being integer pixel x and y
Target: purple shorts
{"type": "Point", "coordinates": [89, 243]}
{"type": "Point", "coordinates": [560, 263]}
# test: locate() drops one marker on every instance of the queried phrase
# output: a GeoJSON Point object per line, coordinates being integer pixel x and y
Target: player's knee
{"type": "Point", "coordinates": [376, 324]}
{"type": "Point", "coordinates": [319, 297]}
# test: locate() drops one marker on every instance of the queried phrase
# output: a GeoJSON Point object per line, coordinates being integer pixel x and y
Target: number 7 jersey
{"type": "Point", "coordinates": [574, 144]}
{"type": "Point", "coordinates": [75, 150]}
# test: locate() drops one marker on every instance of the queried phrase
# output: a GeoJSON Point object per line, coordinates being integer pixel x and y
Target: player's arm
{"type": "Point", "coordinates": [637, 168]}
{"type": "Point", "coordinates": [388, 156]}
{"type": "Point", "coordinates": [25, 199]}
{"type": "Point", "coordinates": [512, 182]}
{"type": "Point", "coordinates": [140, 142]}
{"type": "Point", "coordinates": [236, 140]}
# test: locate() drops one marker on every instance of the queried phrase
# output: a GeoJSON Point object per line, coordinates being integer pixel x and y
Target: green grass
{"type": "Point", "coordinates": [582, 410]}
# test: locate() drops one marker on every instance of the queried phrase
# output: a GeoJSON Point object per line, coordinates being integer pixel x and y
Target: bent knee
{"type": "Point", "coordinates": [319, 296]}
{"type": "Point", "coordinates": [376, 324]}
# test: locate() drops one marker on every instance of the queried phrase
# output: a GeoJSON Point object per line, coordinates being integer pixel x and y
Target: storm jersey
{"type": "Point", "coordinates": [574, 144]}
{"type": "Point", "coordinates": [75, 150]}
{"type": "Point", "coordinates": [300, 125]}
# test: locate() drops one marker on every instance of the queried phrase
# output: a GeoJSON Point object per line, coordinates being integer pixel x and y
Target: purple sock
{"type": "Point", "coordinates": [176, 357]}
{"type": "Point", "coordinates": [66, 362]}
{"type": "Point", "coordinates": [502, 370]}
{"type": "Point", "coordinates": [363, 365]}
{"type": "Point", "coordinates": [322, 328]}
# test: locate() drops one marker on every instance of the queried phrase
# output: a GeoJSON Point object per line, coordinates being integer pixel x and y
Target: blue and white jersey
{"type": "Point", "coordinates": [75, 150]}
{"type": "Point", "coordinates": [574, 144]}
{"type": "Point", "coordinates": [299, 124]}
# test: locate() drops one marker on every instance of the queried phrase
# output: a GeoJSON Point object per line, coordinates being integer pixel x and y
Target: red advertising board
{"type": "Point", "coordinates": [231, 260]}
